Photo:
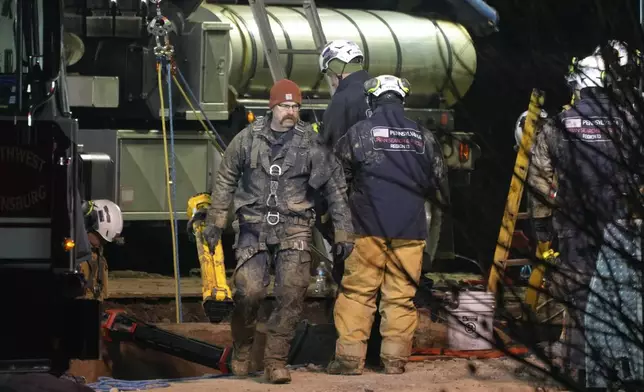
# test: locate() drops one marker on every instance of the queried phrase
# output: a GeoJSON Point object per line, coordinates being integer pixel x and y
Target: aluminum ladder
{"type": "Point", "coordinates": [271, 51]}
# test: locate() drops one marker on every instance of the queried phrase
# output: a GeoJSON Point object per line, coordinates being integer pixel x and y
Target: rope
{"type": "Point", "coordinates": [170, 184]}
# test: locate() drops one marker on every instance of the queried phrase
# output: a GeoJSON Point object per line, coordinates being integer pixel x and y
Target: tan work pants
{"type": "Point", "coordinates": [90, 269]}
{"type": "Point", "coordinates": [395, 271]}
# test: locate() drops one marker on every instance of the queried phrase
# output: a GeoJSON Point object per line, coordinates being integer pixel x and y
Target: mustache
{"type": "Point", "coordinates": [288, 117]}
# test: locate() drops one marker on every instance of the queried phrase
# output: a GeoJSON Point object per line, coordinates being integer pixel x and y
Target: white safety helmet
{"type": "Point", "coordinates": [387, 83]}
{"type": "Point", "coordinates": [520, 125]}
{"type": "Point", "coordinates": [621, 51]}
{"type": "Point", "coordinates": [107, 218]}
{"type": "Point", "coordinates": [587, 72]}
{"type": "Point", "coordinates": [342, 50]}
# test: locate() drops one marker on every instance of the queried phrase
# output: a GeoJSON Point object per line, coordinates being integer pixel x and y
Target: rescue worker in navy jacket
{"type": "Point", "coordinates": [582, 163]}
{"type": "Point", "coordinates": [270, 171]}
{"type": "Point", "coordinates": [392, 167]}
{"type": "Point", "coordinates": [343, 61]}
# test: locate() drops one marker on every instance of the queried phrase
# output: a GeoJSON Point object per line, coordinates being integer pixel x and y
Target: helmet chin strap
{"type": "Point", "coordinates": [339, 74]}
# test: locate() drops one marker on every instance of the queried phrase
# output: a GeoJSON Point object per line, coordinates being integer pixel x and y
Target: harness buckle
{"type": "Point", "coordinates": [275, 170]}
{"type": "Point", "coordinates": [273, 218]}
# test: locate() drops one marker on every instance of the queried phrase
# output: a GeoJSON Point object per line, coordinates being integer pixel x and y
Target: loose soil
{"type": "Point", "coordinates": [450, 375]}
{"type": "Point", "coordinates": [151, 299]}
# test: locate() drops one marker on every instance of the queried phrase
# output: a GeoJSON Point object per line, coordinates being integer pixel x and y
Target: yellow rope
{"type": "Point", "coordinates": [171, 210]}
{"type": "Point", "coordinates": [198, 114]}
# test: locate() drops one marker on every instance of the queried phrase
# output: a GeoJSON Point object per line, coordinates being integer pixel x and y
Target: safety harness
{"type": "Point", "coordinates": [275, 171]}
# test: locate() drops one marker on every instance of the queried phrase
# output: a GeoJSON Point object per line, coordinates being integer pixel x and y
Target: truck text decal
{"type": "Point", "coordinates": [28, 169]}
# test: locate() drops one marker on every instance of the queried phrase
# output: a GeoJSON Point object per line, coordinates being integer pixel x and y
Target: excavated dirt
{"type": "Point", "coordinates": [153, 305]}
{"type": "Point", "coordinates": [502, 375]}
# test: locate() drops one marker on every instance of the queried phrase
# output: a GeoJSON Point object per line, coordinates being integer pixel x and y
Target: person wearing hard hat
{"type": "Point", "coordinates": [343, 62]}
{"type": "Point", "coordinates": [269, 172]}
{"type": "Point", "coordinates": [583, 175]}
{"type": "Point", "coordinates": [103, 222]}
{"type": "Point", "coordinates": [392, 166]}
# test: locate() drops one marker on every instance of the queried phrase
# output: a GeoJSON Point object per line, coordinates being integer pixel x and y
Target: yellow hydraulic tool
{"type": "Point", "coordinates": [515, 194]}
{"type": "Point", "coordinates": [213, 270]}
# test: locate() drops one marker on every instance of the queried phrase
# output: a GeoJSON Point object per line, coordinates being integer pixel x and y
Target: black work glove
{"type": "Point", "coordinates": [341, 252]}
{"type": "Point", "coordinates": [212, 235]}
{"type": "Point", "coordinates": [543, 229]}
{"type": "Point", "coordinates": [198, 217]}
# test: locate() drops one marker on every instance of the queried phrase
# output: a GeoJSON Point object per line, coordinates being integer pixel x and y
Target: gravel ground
{"type": "Point", "coordinates": [439, 375]}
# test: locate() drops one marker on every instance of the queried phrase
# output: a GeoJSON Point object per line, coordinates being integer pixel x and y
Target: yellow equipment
{"type": "Point", "coordinates": [546, 255]}
{"type": "Point", "coordinates": [513, 202]}
{"type": "Point", "coordinates": [213, 270]}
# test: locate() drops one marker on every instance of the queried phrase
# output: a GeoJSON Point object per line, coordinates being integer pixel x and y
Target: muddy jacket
{"type": "Point", "coordinates": [306, 167]}
{"type": "Point", "coordinates": [347, 107]}
{"type": "Point", "coordinates": [392, 167]}
{"type": "Point", "coordinates": [585, 163]}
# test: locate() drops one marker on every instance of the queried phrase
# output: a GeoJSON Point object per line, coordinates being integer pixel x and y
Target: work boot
{"type": "Point", "coordinates": [394, 366]}
{"type": "Point", "coordinates": [348, 366]}
{"type": "Point", "coordinates": [240, 361]}
{"type": "Point", "coordinates": [277, 374]}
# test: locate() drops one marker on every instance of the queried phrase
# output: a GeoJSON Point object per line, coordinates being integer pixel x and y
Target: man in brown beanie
{"type": "Point", "coordinates": [270, 172]}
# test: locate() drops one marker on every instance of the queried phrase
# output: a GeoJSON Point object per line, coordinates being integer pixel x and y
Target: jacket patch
{"type": "Point", "coordinates": [591, 129]}
{"type": "Point", "coordinates": [397, 139]}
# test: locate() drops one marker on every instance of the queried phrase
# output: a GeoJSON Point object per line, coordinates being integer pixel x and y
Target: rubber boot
{"type": "Point", "coordinates": [277, 373]}
{"type": "Point", "coordinates": [240, 361]}
{"type": "Point", "coordinates": [348, 366]}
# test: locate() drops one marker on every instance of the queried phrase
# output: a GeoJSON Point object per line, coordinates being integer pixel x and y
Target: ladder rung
{"type": "Point", "coordinates": [284, 2]}
{"type": "Point", "coordinates": [516, 262]}
{"type": "Point", "coordinates": [299, 51]}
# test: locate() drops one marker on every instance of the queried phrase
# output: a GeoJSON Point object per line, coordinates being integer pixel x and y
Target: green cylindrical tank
{"type": "Point", "coordinates": [434, 55]}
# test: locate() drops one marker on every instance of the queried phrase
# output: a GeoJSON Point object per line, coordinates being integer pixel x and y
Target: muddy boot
{"type": "Point", "coordinates": [277, 373]}
{"type": "Point", "coordinates": [349, 366]}
{"type": "Point", "coordinates": [393, 366]}
{"type": "Point", "coordinates": [240, 361]}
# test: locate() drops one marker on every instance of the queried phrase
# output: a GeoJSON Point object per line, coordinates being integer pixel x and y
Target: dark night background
{"type": "Point", "coordinates": [533, 48]}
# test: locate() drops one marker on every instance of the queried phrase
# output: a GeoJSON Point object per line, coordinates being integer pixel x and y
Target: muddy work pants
{"type": "Point", "coordinates": [394, 268]}
{"type": "Point", "coordinates": [578, 255]}
{"type": "Point", "coordinates": [292, 276]}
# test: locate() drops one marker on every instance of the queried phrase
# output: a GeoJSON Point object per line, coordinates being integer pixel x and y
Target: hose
{"type": "Point", "coordinates": [427, 354]}
{"type": "Point", "coordinates": [215, 139]}
{"type": "Point", "coordinates": [170, 184]}
{"type": "Point", "coordinates": [212, 127]}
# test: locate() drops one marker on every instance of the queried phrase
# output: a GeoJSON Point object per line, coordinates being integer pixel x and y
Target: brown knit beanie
{"type": "Point", "coordinates": [285, 90]}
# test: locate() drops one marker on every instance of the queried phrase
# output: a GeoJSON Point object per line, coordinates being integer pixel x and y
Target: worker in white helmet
{"type": "Point", "coordinates": [583, 173]}
{"type": "Point", "coordinates": [343, 62]}
{"type": "Point", "coordinates": [103, 222]}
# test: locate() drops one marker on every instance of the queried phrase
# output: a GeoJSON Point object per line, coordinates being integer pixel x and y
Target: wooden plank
{"type": "Point", "coordinates": [152, 287]}
{"type": "Point", "coordinates": [163, 287]}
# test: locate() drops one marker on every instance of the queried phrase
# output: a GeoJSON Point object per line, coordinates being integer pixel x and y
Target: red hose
{"type": "Point", "coordinates": [428, 354]}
